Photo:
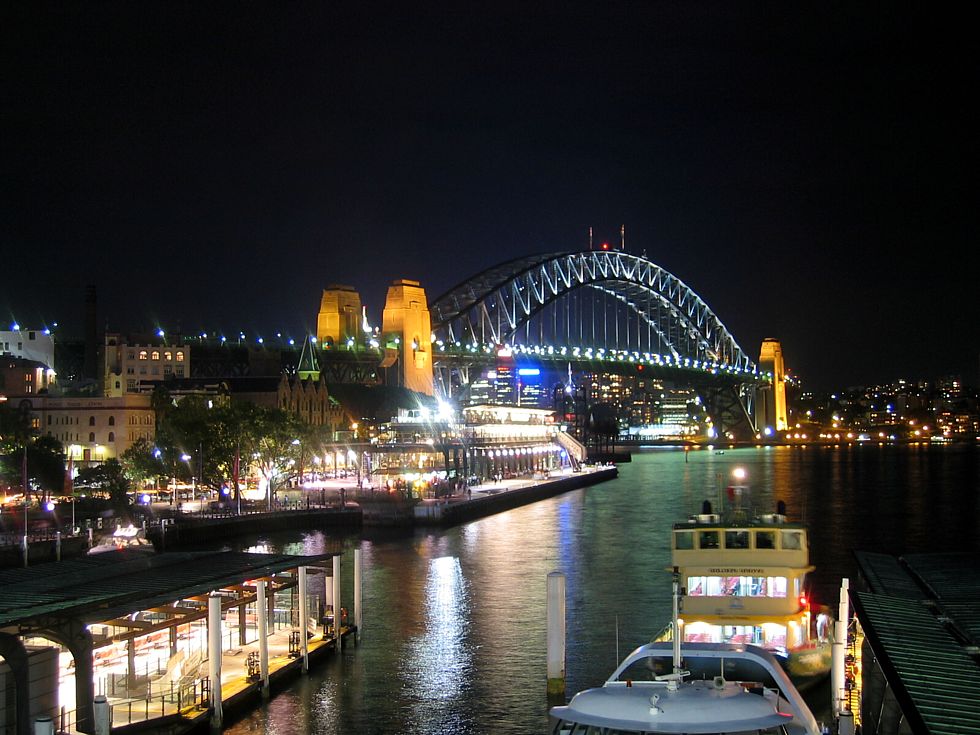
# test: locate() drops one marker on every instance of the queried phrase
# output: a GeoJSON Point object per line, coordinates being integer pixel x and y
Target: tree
{"type": "Point", "coordinates": [45, 465]}
{"type": "Point", "coordinates": [142, 462]}
{"type": "Point", "coordinates": [277, 451]}
{"type": "Point", "coordinates": [108, 478]}
{"type": "Point", "coordinates": [15, 428]}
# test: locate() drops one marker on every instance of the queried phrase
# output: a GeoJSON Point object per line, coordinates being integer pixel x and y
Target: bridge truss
{"type": "Point", "coordinates": [588, 305]}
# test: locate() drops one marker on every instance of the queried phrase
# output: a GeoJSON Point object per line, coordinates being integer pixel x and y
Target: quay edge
{"type": "Point", "coordinates": [470, 509]}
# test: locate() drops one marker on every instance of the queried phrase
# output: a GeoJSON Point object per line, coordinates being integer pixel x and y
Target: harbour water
{"type": "Point", "coordinates": [454, 619]}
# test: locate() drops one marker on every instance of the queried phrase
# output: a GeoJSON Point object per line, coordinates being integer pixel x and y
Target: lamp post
{"type": "Point", "coordinates": [187, 458]}
{"type": "Point", "coordinates": [298, 443]}
{"type": "Point", "coordinates": [25, 531]}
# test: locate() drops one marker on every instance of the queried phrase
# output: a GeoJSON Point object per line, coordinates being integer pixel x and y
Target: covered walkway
{"type": "Point", "coordinates": [129, 638]}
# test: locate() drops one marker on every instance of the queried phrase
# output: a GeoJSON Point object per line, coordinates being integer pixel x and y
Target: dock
{"type": "Point", "coordinates": [129, 641]}
{"type": "Point", "coordinates": [913, 656]}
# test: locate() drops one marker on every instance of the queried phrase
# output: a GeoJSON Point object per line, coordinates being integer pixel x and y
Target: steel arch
{"type": "Point", "coordinates": [493, 305]}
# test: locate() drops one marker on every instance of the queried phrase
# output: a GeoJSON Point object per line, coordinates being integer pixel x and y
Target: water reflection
{"type": "Point", "coordinates": [454, 620]}
{"type": "Point", "coordinates": [438, 662]}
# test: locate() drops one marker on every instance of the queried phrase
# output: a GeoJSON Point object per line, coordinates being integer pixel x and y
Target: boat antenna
{"type": "Point", "coordinates": [617, 639]}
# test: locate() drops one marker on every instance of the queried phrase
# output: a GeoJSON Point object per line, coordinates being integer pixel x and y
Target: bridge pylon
{"type": "Point", "coordinates": [771, 410]}
{"type": "Point", "coordinates": [407, 332]}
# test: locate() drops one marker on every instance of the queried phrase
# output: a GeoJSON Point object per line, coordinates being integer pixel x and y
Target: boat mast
{"type": "Point", "coordinates": [675, 622]}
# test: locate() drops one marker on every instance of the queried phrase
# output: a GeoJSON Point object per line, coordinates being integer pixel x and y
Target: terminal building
{"type": "Point", "coordinates": [162, 641]}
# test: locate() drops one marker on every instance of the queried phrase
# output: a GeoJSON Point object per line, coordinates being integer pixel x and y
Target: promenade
{"type": "Point", "coordinates": [335, 503]}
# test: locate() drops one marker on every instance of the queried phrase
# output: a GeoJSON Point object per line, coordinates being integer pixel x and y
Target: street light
{"type": "Point", "coordinates": [187, 458]}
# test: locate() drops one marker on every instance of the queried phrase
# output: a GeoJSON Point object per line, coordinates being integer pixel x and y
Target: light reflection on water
{"type": "Point", "coordinates": [454, 619]}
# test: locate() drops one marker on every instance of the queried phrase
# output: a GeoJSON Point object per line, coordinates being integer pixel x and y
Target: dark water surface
{"type": "Point", "coordinates": [454, 619]}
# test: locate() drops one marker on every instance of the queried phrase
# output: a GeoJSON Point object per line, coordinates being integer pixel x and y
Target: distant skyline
{"type": "Point", "coordinates": [808, 170]}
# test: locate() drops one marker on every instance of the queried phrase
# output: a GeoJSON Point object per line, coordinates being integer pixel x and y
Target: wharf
{"type": "Point", "coordinates": [916, 643]}
{"type": "Point", "coordinates": [483, 500]}
{"type": "Point", "coordinates": [168, 530]}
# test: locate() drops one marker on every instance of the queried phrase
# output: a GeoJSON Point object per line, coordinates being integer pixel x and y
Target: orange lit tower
{"type": "Point", "coordinates": [339, 318]}
{"type": "Point", "coordinates": [771, 403]}
{"type": "Point", "coordinates": [407, 332]}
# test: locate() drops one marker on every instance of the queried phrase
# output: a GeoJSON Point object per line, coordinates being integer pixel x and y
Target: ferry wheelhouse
{"type": "Point", "coordinates": [745, 583]}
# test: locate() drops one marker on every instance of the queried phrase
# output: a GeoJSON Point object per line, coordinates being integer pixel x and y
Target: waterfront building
{"type": "Point", "coordinates": [307, 399]}
{"type": "Point", "coordinates": [94, 429]}
{"type": "Point", "coordinates": [131, 359]}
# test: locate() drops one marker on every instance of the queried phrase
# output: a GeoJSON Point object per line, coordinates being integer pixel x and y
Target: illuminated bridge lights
{"type": "Point", "coordinates": [602, 354]}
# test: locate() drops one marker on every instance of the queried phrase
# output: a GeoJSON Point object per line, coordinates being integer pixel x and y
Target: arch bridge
{"type": "Point", "coordinates": [597, 310]}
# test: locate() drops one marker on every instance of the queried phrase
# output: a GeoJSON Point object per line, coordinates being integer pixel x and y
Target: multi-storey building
{"type": "Point", "coordinates": [94, 429]}
{"type": "Point", "coordinates": [24, 377]}
{"type": "Point", "coordinates": [30, 344]}
{"type": "Point", "coordinates": [129, 360]}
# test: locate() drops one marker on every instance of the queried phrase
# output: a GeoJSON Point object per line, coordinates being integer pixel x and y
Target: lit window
{"type": "Point", "coordinates": [142, 354]}
{"type": "Point", "coordinates": [155, 355]}
{"type": "Point", "coordinates": [180, 357]}
{"type": "Point", "coordinates": [168, 355]}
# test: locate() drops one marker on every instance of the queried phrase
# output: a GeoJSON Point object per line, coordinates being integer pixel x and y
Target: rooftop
{"type": "Point", "coordinates": [921, 616]}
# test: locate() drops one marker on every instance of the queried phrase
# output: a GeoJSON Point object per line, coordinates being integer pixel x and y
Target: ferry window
{"type": "Point", "coordinates": [684, 539]}
{"type": "Point", "coordinates": [790, 539]}
{"type": "Point", "coordinates": [765, 540]}
{"type": "Point", "coordinates": [708, 540]}
{"type": "Point", "coordinates": [736, 539]}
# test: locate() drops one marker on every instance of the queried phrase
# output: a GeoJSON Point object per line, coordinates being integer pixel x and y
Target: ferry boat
{"type": "Point", "coordinates": [742, 689]}
{"type": "Point", "coordinates": [745, 583]}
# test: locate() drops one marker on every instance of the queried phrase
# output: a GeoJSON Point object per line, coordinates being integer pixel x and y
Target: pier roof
{"type": "Point", "coordinates": [921, 615]}
{"type": "Point", "coordinates": [99, 587]}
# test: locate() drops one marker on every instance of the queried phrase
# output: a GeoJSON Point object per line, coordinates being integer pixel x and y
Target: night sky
{"type": "Point", "coordinates": [807, 168]}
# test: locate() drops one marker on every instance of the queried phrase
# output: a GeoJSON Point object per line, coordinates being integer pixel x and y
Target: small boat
{"type": "Point", "coordinates": [744, 580]}
{"type": "Point", "coordinates": [124, 538]}
{"type": "Point", "coordinates": [636, 699]}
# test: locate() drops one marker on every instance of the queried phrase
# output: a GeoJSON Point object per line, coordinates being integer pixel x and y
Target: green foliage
{"type": "Point", "coordinates": [211, 435]}
{"type": "Point", "coordinates": [15, 428]}
{"type": "Point", "coordinates": [140, 462]}
{"type": "Point", "coordinates": [108, 478]}
{"type": "Point", "coordinates": [45, 465]}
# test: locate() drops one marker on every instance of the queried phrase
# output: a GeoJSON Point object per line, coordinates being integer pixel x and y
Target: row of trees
{"type": "Point", "coordinates": [199, 439]}
{"type": "Point", "coordinates": [195, 438]}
